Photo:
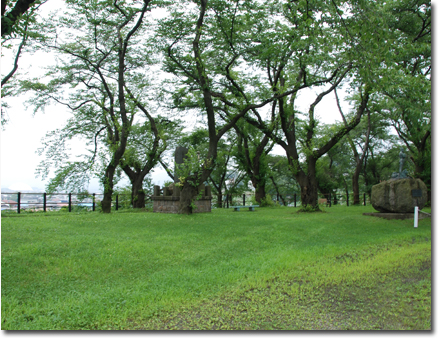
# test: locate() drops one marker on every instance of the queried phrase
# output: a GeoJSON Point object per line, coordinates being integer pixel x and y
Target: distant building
{"type": "Point", "coordinates": [8, 204]}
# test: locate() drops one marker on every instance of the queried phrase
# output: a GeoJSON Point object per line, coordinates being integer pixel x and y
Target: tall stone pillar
{"type": "Point", "coordinates": [180, 155]}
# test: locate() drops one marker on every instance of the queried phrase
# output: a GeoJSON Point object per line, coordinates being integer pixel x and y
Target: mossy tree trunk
{"type": "Point", "coordinates": [138, 194]}
{"type": "Point", "coordinates": [188, 195]}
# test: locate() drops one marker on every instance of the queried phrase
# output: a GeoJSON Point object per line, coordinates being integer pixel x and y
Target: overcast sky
{"type": "Point", "coordinates": [21, 136]}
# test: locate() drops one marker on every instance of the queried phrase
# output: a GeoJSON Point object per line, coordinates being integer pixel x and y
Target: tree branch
{"type": "Point", "coordinates": [9, 20]}
{"type": "Point", "coordinates": [14, 69]}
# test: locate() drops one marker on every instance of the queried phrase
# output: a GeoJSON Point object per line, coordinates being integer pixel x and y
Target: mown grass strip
{"type": "Point", "coordinates": [131, 270]}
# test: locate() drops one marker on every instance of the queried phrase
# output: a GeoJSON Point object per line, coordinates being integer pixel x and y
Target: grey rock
{"type": "Point", "coordinates": [395, 196]}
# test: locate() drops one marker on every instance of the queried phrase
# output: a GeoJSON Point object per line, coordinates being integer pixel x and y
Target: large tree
{"type": "Point", "coordinates": [281, 183]}
{"type": "Point", "coordinates": [357, 156]}
{"type": "Point", "coordinates": [103, 64]}
{"type": "Point", "coordinates": [146, 145]}
{"type": "Point", "coordinates": [194, 55]}
{"type": "Point", "coordinates": [252, 150]}
{"type": "Point", "coordinates": [296, 46]}
{"type": "Point", "coordinates": [198, 141]}
{"type": "Point", "coordinates": [407, 83]}
{"type": "Point", "coordinates": [396, 41]}
{"type": "Point", "coordinates": [359, 149]}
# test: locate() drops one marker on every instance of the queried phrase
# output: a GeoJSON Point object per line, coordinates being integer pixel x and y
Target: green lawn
{"type": "Point", "coordinates": [270, 269]}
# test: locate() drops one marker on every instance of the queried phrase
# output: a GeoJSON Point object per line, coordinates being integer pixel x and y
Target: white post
{"type": "Point", "coordinates": [416, 216]}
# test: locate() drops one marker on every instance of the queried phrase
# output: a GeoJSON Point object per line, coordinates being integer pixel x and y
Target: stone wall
{"type": "Point", "coordinates": [167, 200]}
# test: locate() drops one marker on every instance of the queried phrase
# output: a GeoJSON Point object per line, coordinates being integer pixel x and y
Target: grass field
{"type": "Point", "coordinates": [270, 269]}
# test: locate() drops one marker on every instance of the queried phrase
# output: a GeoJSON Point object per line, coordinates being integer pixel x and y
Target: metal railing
{"type": "Point", "coordinates": [89, 201]}
{"type": "Point", "coordinates": [59, 201]}
{"type": "Point", "coordinates": [292, 199]}
{"type": "Point", "coordinates": [346, 198]}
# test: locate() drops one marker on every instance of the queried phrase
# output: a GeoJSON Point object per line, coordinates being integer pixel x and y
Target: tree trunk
{"type": "Point", "coordinates": [106, 201]}
{"type": "Point", "coordinates": [189, 191]}
{"type": "Point", "coordinates": [308, 185]}
{"type": "Point", "coordinates": [109, 173]}
{"type": "Point", "coordinates": [137, 194]}
{"type": "Point", "coordinates": [346, 190]}
{"type": "Point", "coordinates": [108, 188]}
{"type": "Point", "coordinates": [187, 197]}
{"type": "Point", "coordinates": [219, 201]}
{"type": "Point", "coordinates": [356, 186]}
{"type": "Point", "coordinates": [360, 161]}
{"type": "Point", "coordinates": [258, 175]}
{"type": "Point", "coordinates": [259, 192]}
{"type": "Point", "coordinates": [218, 189]}
{"type": "Point", "coordinates": [277, 190]}
{"type": "Point", "coordinates": [309, 194]}
{"type": "Point", "coordinates": [335, 200]}
{"type": "Point", "coordinates": [419, 173]}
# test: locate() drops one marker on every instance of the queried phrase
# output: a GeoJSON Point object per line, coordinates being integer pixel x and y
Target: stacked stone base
{"type": "Point", "coordinates": [170, 205]}
{"type": "Point", "coordinates": [170, 200]}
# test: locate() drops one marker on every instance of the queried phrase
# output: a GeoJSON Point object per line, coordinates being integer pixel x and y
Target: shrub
{"type": "Point", "coordinates": [267, 201]}
{"type": "Point", "coordinates": [310, 209]}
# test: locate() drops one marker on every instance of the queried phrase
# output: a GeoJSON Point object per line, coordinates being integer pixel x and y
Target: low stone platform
{"type": "Point", "coordinates": [169, 201]}
{"type": "Point", "coordinates": [398, 216]}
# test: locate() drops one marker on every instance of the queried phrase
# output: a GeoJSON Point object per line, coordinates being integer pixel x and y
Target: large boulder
{"type": "Point", "coordinates": [399, 196]}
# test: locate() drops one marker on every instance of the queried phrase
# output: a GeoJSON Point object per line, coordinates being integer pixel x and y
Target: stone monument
{"type": "Point", "coordinates": [402, 174]}
{"type": "Point", "coordinates": [180, 156]}
{"type": "Point", "coordinates": [402, 157]}
{"type": "Point", "coordinates": [167, 200]}
{"type": "Point", "coordinates": [396, 198]}
{"type": "Point", "coordinates": [399, 196]}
